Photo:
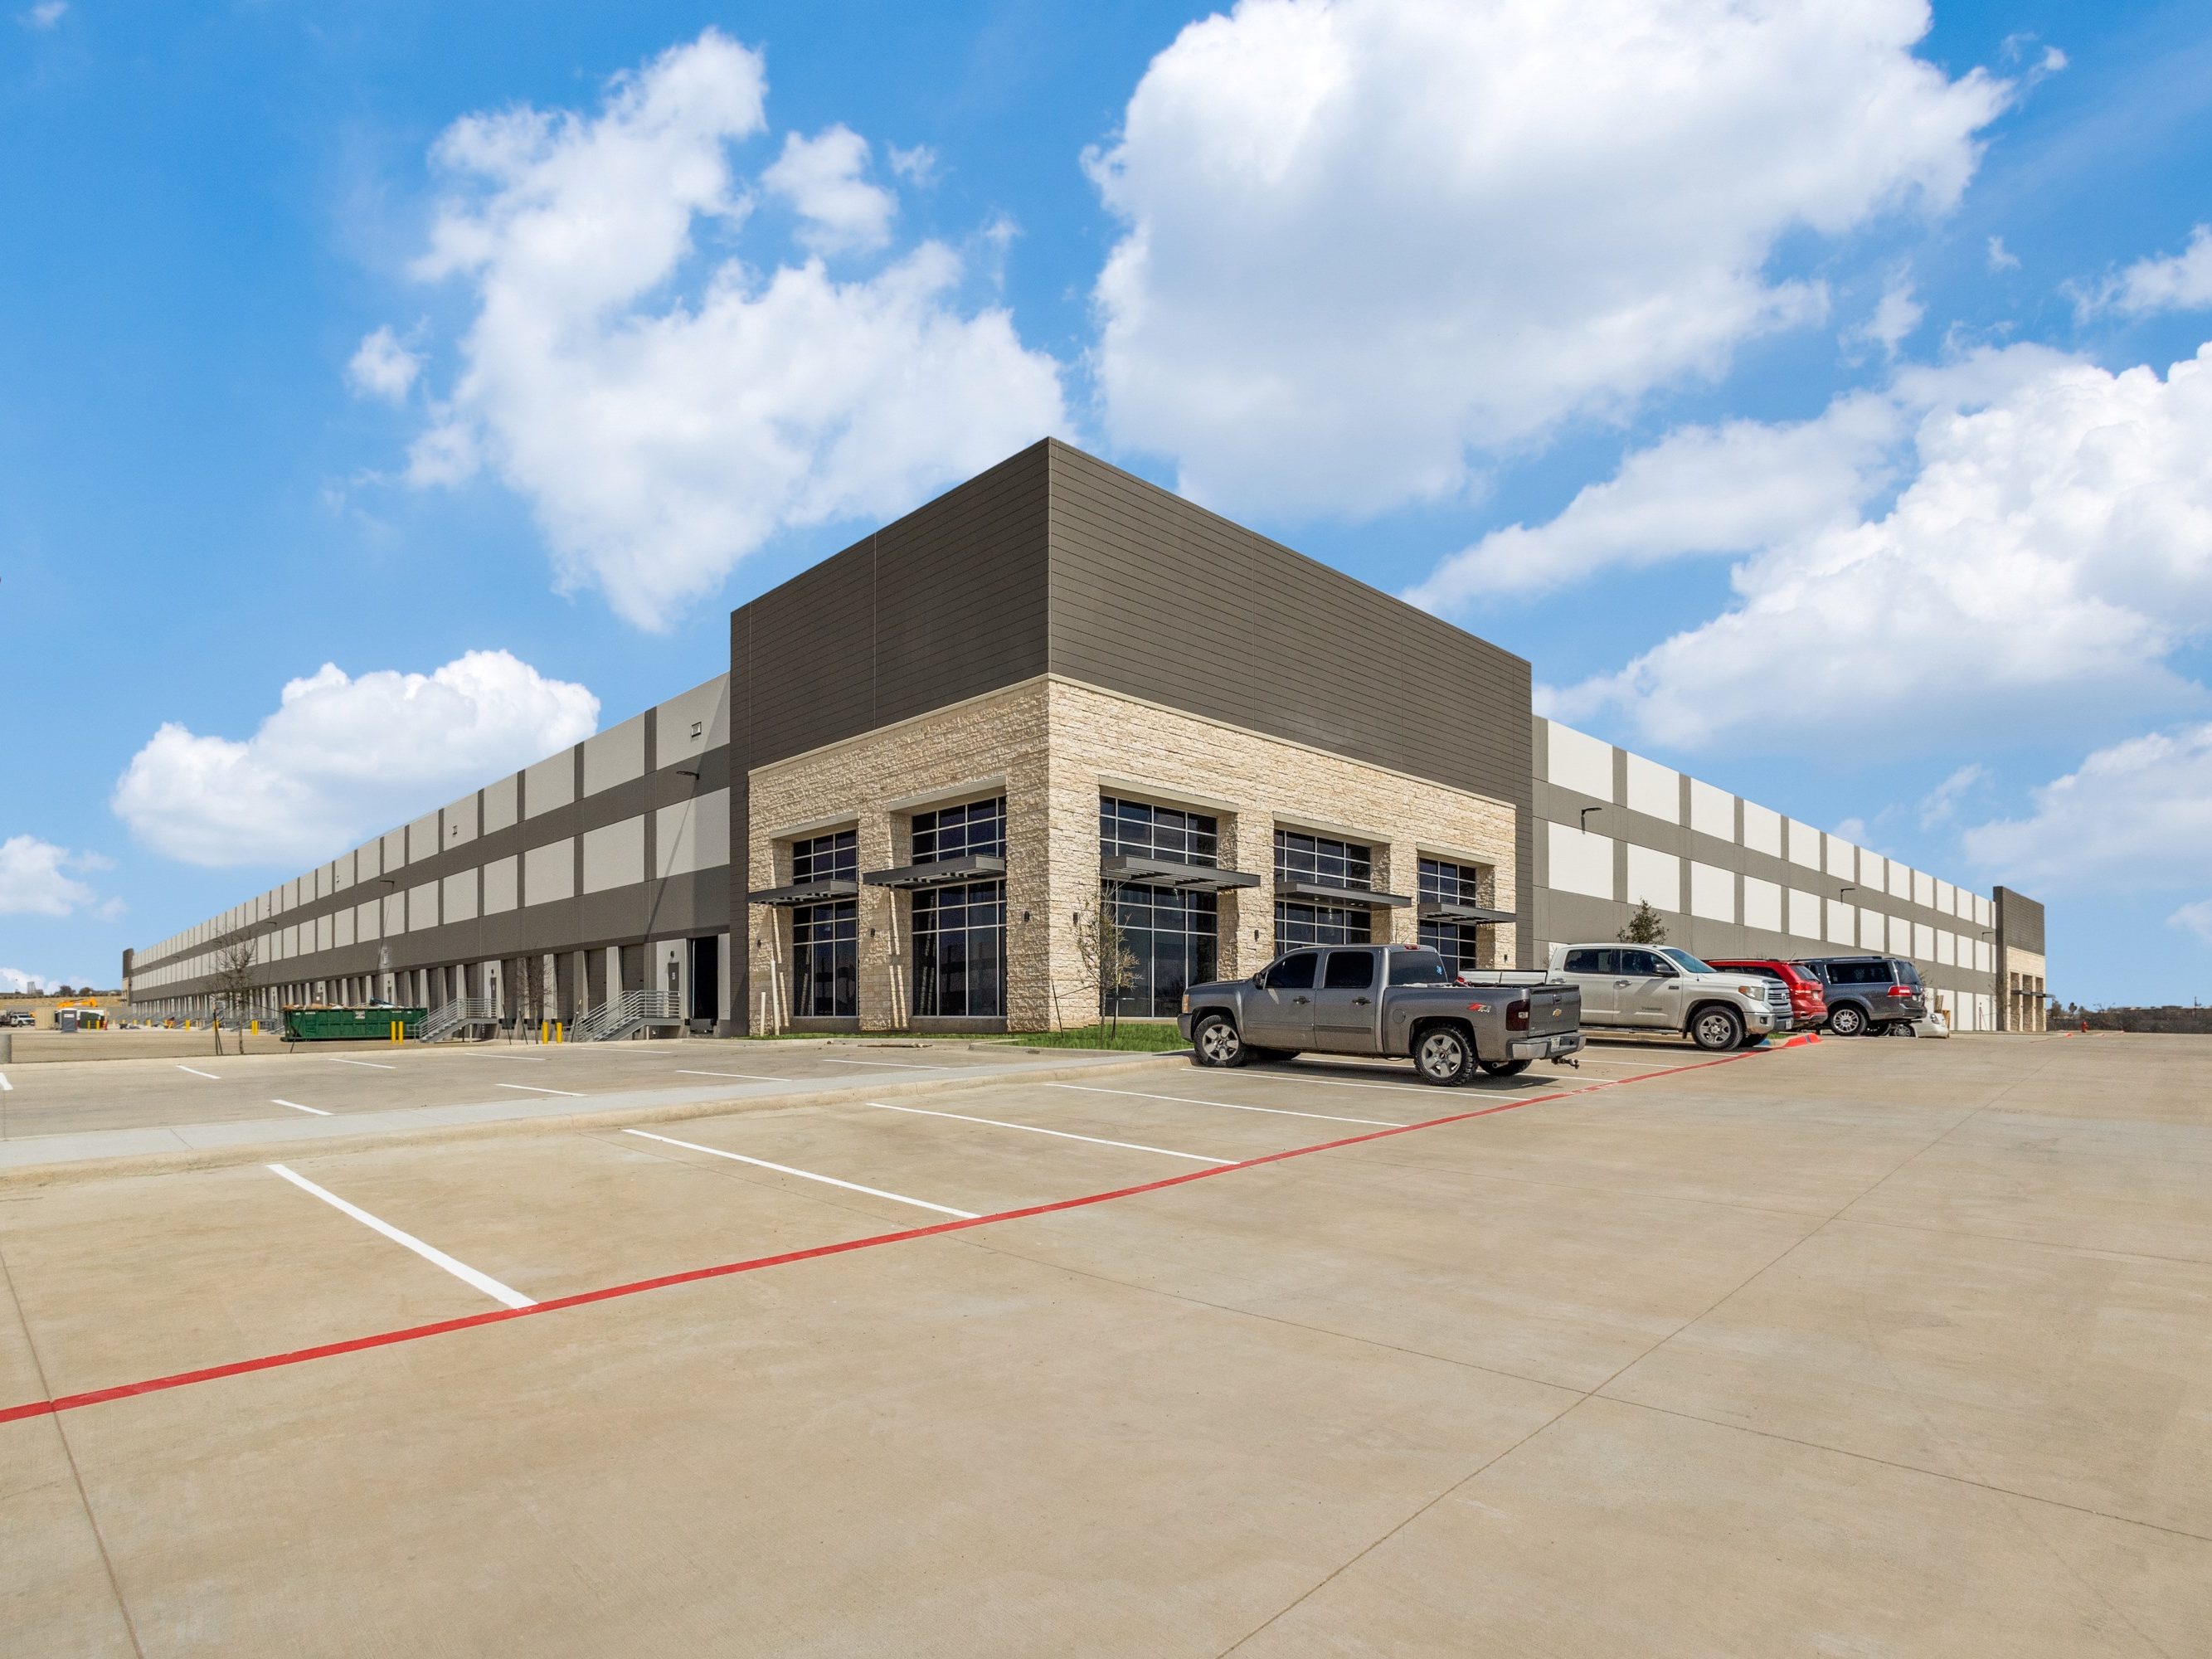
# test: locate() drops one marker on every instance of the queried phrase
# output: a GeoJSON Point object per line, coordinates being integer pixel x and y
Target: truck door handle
{"type": "Point", "coordinates": [1620, 982]}
{"type": "Point", "coordinates": [1360, 1002]}
{"type": "Point", "coordinates": [1300, 998]}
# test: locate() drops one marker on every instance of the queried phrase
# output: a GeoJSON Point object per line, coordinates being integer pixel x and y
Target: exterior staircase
{"type": "Point", "coordinates": [454, 1017]}
{"type": "Point", "coordinates": [634, 1011]}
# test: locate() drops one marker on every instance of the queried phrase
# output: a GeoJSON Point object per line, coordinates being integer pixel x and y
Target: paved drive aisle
{"type": "Point", "coordinates": [1870, 1348]}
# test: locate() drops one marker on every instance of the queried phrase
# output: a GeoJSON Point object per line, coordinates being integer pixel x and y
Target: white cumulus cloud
{"type": "Point", "coordinates": [2053, 540]}
{"type": "Point", "coordinates": [1367, 241]}
{"type": "Point", "coordinates": [2136, 815]}
{"type": "Point", "coordinates": [826, 180]}
{"type": "Point", "coordinates": [35, 879]}
{"type": "Point", "coordinates": [2181, 283]}
{"type": "Point", "coordinates": [343, 757]}
{"type": "Point", "coordinates": [2195, 918]}
{"type": "Point", "coordinates": [382, 368]}
{"type": "Point", "coordinates": [665, 413]}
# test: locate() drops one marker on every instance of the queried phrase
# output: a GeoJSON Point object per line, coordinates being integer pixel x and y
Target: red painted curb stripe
{"type": "Point", "coordinates": [69, 1402]}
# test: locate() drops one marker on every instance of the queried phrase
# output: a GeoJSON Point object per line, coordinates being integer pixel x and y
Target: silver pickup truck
{"type": "Point", "coordinates": [1388, 1000]}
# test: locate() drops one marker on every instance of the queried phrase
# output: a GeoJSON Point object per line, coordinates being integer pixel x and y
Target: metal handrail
{"type": "Point", "coordinates": [633, 1009]}
{"type": "Point", "coordinates": [442, 1022]}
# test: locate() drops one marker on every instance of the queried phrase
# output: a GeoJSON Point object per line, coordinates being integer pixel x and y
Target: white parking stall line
{"type": "Point", "coordinates": [1062, 1134]}
{"type": "Point", "coordinates": [6, 1087]}
{"type": "Point", "coordinates": [374, 1065]}
{"type": "Point", "coordinates": [296, 1107]}
{"type": "Point", "coordinates": [743, 1077]}
{"type": "Point", "coordinates": [195, 1072]}
{"type": "Point", "coordinates": [532, 1089]}
{"type": "Point", "coordinates": [895, 1065]}
{"type": "Point", "coordinates": [460, 1270]}
{"type": "Point", "coordinates": [803, 1174]}
{"type": "Point", "coordinates": [1226, 1106]}
{"type": "Point", "coordinates": [1293, 1073]}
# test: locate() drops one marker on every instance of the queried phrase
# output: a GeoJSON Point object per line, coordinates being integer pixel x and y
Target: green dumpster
{"type": "Point", "coordinates": [349, 1024]}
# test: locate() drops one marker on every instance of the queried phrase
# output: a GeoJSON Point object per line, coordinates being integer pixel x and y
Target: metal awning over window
{"type": "Point", "coordinates": [945, 873]}
{"type": "Point", "coordinates": [1169, 872]}
{"type": "Point", "coordinates": [1433, 911]}
{"type": "Point", "coordinates": [1322, 892]}
{"type": "Point", "coordinates": [809, 892]}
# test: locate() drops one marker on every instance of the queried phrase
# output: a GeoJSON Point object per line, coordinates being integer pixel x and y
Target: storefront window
{"type": "Point", "coordinates": [1298, 924]}
{"type": "Point", "coordinates": [960, 933]}
{"type": "Point", "coordinates": [1459, 943]}
{"type": "Point", "coordinates": [1336, 864]}
{"type": "Point", "coordinates": [825, 937]}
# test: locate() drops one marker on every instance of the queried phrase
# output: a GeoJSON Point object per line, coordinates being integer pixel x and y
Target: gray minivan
{"type": "Point", "coordinates": [1882, 994]}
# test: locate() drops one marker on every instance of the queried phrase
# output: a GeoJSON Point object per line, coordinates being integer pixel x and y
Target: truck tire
{"type": "Point", "coordinates": [1506, 1067]}
{"type": "Point", "coordinates": [1217, 1041]}
{"type": "Point", "coordinates": [1444, 1055]}
{"type": "Point", "coordinates": [1848, 1020]}
{"type": "Point", "coordinates": [1716, 1029]}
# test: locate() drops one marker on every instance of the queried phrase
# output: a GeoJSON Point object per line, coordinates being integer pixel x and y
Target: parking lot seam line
{"type": "Point", "coordinates": [806, 1175]}
{"type": "Point", "coordinates": [1063, 1134]}
{"type": "Point", "coordinates": [723, 1270]}
{"type": "Point", "coordinates": [743, 1077]}
{"type": "Point", "coordinates": [1891, 1463]}
{"type": "Point", "coordinates": [895, 1065]}
{"type": "Point", "coordinates": [374, 1065]}
{"type": "Point", "coordinates": [296, 1107]}
{"type": "Point", "coordinates": [1225, 1105]}
{"type": "Point", "coordinates": [430, 1253]}
{"type": "Point", "coordinates": [195, 1072]}
{"type": "Point", "coordinates": [532, 1089]}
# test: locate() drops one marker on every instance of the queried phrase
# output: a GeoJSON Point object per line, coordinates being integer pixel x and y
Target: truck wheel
{"type": "Point", "coordinates": [1716, 1030]}
{"type": "Point", "coordinates": [1849, 1020]}
{"type": "Point", "coordinates": [1505, 1067]}
{"type": "Point", "coordinates": [1216, 1042]}
{"type": "Point", "coordinates": [1442, 1056]}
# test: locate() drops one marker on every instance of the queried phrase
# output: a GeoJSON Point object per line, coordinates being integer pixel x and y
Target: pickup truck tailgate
{"type": "Point", "coordinates": [1554, 1009]}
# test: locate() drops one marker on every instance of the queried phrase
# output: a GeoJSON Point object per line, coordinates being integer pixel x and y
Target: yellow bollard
{"type": "Point", "coordinates": [541, 1031]}
{"type": "Point", "coordinates": [558, 1037]}
{"type": "Point", "coordinates": [256, 1028]}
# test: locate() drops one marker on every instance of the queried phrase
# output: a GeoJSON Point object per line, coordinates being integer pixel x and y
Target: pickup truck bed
{"type": "Point", "coordinates": [1392, 1000]}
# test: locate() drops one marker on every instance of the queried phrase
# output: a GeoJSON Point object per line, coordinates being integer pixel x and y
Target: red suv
{"type": "Point", "coordinates": [1808, 1003]}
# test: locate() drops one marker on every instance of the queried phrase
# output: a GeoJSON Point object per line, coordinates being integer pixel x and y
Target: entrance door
{"type": "Point", "coordinates": [1280, 1015]}
{"type": "Point", "coordinates": [1344, 1002]}
{"type": "Point", "coordinates": [705, 978]}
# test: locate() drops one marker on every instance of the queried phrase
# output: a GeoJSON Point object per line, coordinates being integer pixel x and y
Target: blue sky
{"type": "Point", "coordinates": [1793, 391]}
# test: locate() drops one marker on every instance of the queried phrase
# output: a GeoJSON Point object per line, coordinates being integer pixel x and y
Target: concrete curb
{"type": "Point", "coordinates": [305, 1138]}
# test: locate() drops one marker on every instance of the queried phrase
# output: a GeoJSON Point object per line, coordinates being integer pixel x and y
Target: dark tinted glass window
{"type": "Point", "coordinates": [1294, 972]}
{"type": "Point", "coordinates": [1299, 922]}
{"type": "Point", "coordinates": [824, 959]}
{"type": "Point", "coordinates": [959, 950]}
{"type": "Point", "coordinates": [1349, 970]}
{"type": "Point", "coordinates": [1420, 968]}
{"type": "Point", "coordinates": [1647, 963]}
{"type": "Point", "coordinates": [1170, 938]}
{"type": "Point", "coordinates": [1862, 973]}
{"type": "Point", "coordinates": [1905, 972]}
{"type": "Point", "coordinates": [1142, 831]}
{"type": "Point", "coordinates": [1317, 859]}
{"type": "Point", "coordinates": [957, 832]}
{"type": "Point", "coordinates": [1590, 962]}
{"type": "Point", "coordinates": [824, 857]}
{"type": "Point", "coordinates": [1446, 883]}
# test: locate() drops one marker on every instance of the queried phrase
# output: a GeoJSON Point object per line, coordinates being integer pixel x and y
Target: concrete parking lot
{"type": "Point", "coordinates": [1868, 1347]}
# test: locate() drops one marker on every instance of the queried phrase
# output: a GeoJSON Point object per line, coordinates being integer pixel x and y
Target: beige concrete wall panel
{"type": "Point", "coordinates": [1579, 761]}
{"type": "Point", "coordinates": [368, 921]}
{"type": "Point", "coordinates": [1581, 861]}
{"type": "Point", "coordinates": [689, 725]}
{"type": "Point", "coordinates": [1804, 844]}
{"type": "Point", "coordinates": [614, 756]}
{"type": "Point", "coordinates": [549, 784]}
{"type": "Point", "coordinates": [1655, 878]}
{"type": "Point", "coordinates": [548, 873]}
{"type": "Point", "coordinates": [1762, 830]}
{"type": "Point", "coordinates": [459, 896]}
{"type": "Point", "coordinates": [1712, 811]}
{"type": "Point", "coordinates": [1655, 790]}
{"type": "Point", "coordinates": [1712, 892]}
{"type": "Point", "coordinates": [503, 803]}
{"type": "Point", "coordinates": [422, 907]}
{"type": "Point", "coordinates": [461, 821]}
{"type": "Point", "coordinates": [502, 886]}
{"type": "Point", "coordinates": [614, 855]}
{"type": "Point", "coordinates": [692, 834]}
{"type": "Point", "coordinates": [395, 851]}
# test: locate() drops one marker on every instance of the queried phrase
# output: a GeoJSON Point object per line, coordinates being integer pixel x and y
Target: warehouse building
{"type": "Point", "coordinates": [1055, 740]}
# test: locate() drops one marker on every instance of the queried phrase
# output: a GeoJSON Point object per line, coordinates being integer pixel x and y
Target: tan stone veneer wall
{"type": "Point", "coordinates": [2023, 990]}
{"type": "Point", "coordinates": [1053, 746]}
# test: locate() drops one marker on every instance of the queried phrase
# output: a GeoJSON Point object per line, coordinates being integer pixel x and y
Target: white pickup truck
{"type": "Point", "coordinates": [1660, 987]}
